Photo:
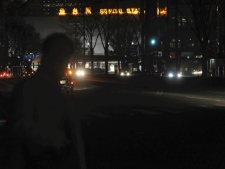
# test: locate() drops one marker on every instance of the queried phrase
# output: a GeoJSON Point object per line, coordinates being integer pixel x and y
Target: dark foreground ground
{"type": "Point", "coordinates": [183, 141]}
{"type": "Point", "coordinates": [121, 137]}
{"type": "Point", "coordinates": [118, 137]}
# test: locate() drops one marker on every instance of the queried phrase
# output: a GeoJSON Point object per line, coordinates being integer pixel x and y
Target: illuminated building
{"type": "Point", "coordinates": [75, 7]}
{"type": "Point", "coordinates": [52, 7]}
{"type": "Point", "coordinates": [171, 41]}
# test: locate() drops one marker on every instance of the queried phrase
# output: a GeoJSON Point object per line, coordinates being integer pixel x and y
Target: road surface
{"type": "Point", "coordinates": [144, 127]}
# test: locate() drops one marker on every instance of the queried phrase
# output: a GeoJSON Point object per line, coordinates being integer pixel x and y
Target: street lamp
{"type": "Point", "coordinates": [153, 51]}
{"type": "Point", "coordinates": [153, 41]}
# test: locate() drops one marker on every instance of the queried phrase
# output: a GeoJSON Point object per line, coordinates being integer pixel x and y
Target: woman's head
{"type": "Point", "coordinates": [57, 50]}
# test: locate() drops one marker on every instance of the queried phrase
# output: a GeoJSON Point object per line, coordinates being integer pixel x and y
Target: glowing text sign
{"type": "Point", "coordinates": [62, 12]}
{"type": "Point", "coordinates": [161, 11]}
{"type": "Point", "coordinates": [131, 11]}
{"type": "Point", "coordinates": [110, 11]}
{"type": "Point", "coordinates": [104, 11]}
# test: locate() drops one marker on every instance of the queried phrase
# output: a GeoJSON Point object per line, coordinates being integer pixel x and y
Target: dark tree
{"type": "Point", "coordinates": [83, 26]}
{"type": "Point", "coordinates": [71, 25]}
{"type": "Point", "coordinates": [22, 39]}
{"type": "Point", "coordinates": [126, 37]}
{"type": "Point", "coordinates": [204, 14]}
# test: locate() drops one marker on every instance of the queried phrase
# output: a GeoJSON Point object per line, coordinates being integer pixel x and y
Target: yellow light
{"type": "Point", "coordinates": [114, 11]}
{"type": "Point", "coordinates": [217, 9]}
{"type": "Point", "coordinates": [103, 11]}
{"type": "Point", "coordinates": [120, 11]}
{"type": "Point", "coordinates": [70, 72]}
{"type": "Point", "coordinates": [110, 11]}
{"type": "Point", "coordinates": [158, 12]}
{"type": "Point", "coordinates": [161, 11]}
{"type": "Point", "coordinates": [62, 12]}
{"type": "Point", "coordinates": [133, 11]}
{"type": "Point", "coordinates": [75, 11]}
{"type": "Point", "coordinates": [88, 10]}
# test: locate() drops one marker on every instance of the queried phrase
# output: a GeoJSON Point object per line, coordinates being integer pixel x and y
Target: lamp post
{"type": "Point", "coordinates": [153, 52]}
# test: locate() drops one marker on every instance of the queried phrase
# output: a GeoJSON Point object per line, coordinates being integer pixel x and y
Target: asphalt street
{"type": "Point", "coordinates": [148, 124]}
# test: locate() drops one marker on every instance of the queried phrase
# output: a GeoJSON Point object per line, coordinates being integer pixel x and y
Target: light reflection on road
{"type": "Point", "coordinates": [200, 99]}
{"type": "Point", "coordinates": [84, 87]}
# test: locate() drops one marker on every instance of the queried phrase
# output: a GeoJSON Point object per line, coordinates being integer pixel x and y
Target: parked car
{"type": "Point", "coordinates": [5, 74]}
{"type": "Point", "coordinates": [28, 72]}
{"type": "Point", "coordinates": [67, 84]}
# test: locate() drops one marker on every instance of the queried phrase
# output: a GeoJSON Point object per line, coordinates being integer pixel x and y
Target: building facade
{"type": "Point", "coordinates": [166, 38]}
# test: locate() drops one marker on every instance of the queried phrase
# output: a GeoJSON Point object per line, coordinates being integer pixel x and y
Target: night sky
{"type": "Point", "coordinates": [45, 25]}
{"type": "Point", "coordinates": [49, 24]}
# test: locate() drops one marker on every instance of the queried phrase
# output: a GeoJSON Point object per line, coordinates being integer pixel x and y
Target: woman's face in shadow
{"type": "Point", "coordinates": [60, 66]}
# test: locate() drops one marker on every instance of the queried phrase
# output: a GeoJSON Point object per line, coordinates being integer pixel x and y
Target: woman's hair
{"type": "Point", "coordinates": [56, 46]}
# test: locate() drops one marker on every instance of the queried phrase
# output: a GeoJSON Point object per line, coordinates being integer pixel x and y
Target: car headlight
{"type": "Point", "coordinates": [179, 75]}
{"type": "Point", "coordinates": [122, 74]}
{"type": "Point", "coordinates": [62, 82]}
{"type": "Point", "coordinates": [170, 75]}
{"type": "Point", "coordinates": [80, 73]}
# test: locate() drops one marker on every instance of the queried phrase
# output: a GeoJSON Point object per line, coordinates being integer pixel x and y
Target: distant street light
{"type": "Point", "coordinates": [153, 42]}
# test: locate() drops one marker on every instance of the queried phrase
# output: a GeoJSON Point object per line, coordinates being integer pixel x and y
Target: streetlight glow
{"type": "Point", "coordinates": [153, 41]}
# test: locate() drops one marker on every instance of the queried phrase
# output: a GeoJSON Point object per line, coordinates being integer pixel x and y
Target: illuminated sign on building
{"type": "Point", "coordinates": [75, 11]}
{"type": "Point", "coordinates": [62, 12]}
{"type": "Point", "coordinates": [133, 11]}
{"type": "Point", "coordinates": [88, 10]}
{"type": "Point", "coordinates": [110, 11]}
{"type": "Point", "coordinates": [161, 11]}
{"type": "Point", "coordinates": [104, 11]}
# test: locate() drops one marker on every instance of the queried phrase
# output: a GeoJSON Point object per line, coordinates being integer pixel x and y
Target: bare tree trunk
{"type": "Point", "coordinates": [92, 58]}
{"type": "Point", "coordinates": [204, 64]}
{"type": "Point", "coordinates": [142, 37]}
{"type": "Point", "coordinates": [106, 57]}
